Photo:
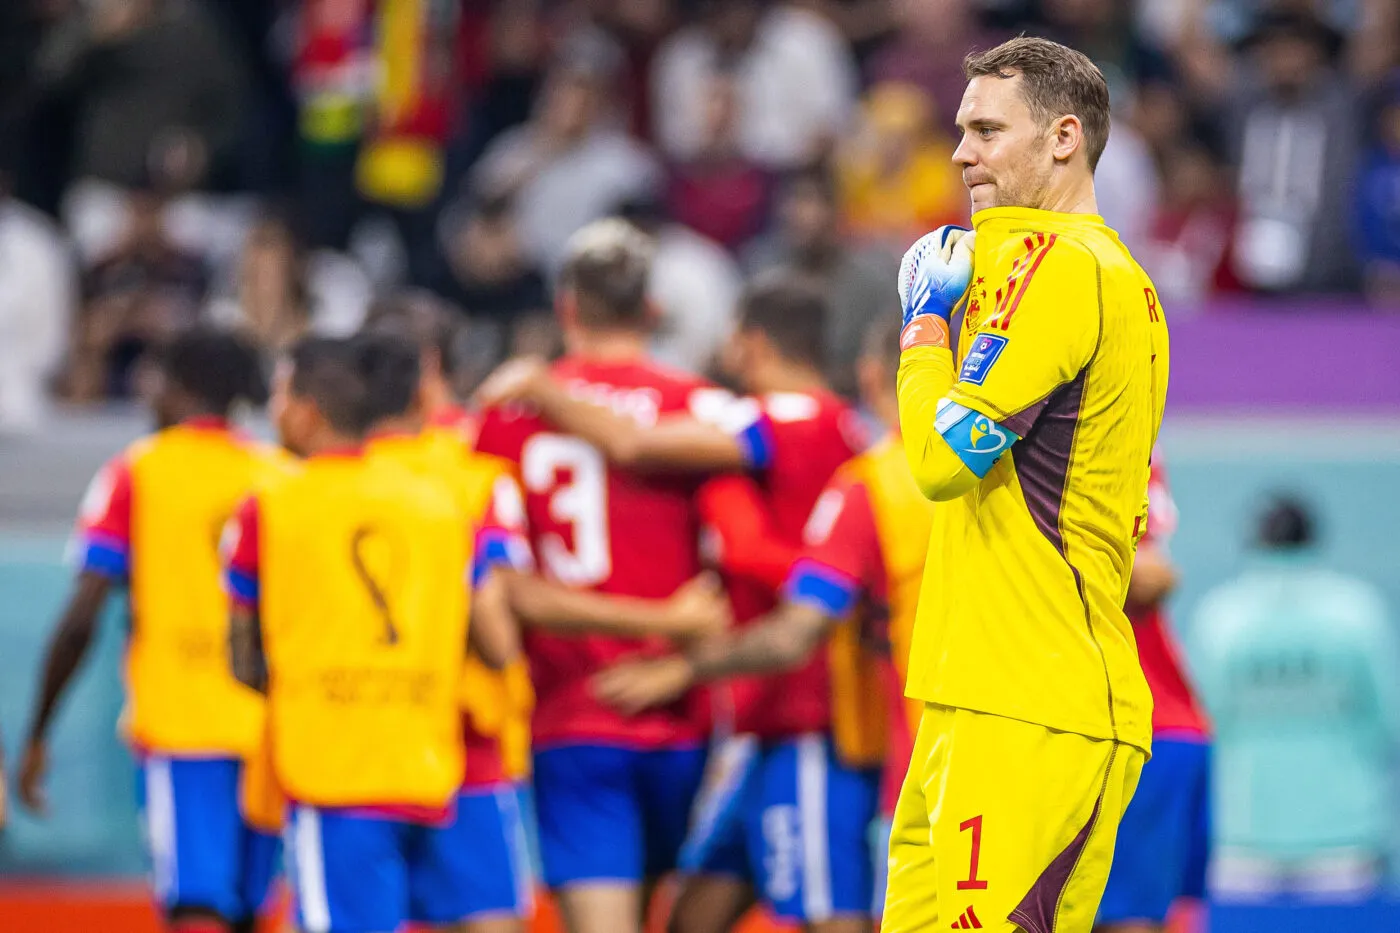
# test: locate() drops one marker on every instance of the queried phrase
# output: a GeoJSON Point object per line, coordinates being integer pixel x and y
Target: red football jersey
{"type": "Point", "coordinates": [796, 441]}
{"type": "Point", "coordinates": [600, 528]}
{"type": "Point", "coordinates": [1175, 708]}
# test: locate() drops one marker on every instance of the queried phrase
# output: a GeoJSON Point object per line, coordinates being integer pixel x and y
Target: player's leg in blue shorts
{"type": "Point", "coordinates": [1163, 839]}
{"type": "Point", "coordinates": [477, 867]}
{"type": "Point", "coordinates": [716, 843]}
{"type": "Point", "coordinates": [717, 882]}
{"type": "Point", "coordinates": [809, 833]}
{"type": "Point", "coordinates": [204, 857]}
{"type": "Point", "coordinates": [612, 814]}
{"type": "Point", "coordinates": [668, 781]}
{"type": "Point", "coordinates": [349, 871]}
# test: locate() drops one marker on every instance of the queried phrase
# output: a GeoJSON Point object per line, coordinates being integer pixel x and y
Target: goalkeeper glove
{"type": "Point", "coordinates": [933, 278]}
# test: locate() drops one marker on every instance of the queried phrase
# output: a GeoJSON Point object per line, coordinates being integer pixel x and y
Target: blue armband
{"type": "Point", "coordinates": [815, 584]}
{"type": "Point", "coordinates": [756, 441]}
{"type": "Point", "coordinates": [977, 440]}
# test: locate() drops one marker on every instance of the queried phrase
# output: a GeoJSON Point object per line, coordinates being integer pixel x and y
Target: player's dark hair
{"type": "Point", "coordinates": [882, 342]}
{"type": "Point", "coordinates": [1286, 523]}
{"type": "Point", "coordinates": [1056, 81]}
{"type": "Point", "coordinates": [790, 310]}
{"type": "Point", "coordinates": [390, 367]}
{"type": "Point", "coordinates": [607, 268]}
{"type": "Point", "coordinates": [327, 371]}
{"type": "Point", "coordinates": [422, 320]}
{"type": "Point", "coordinates": [215, 368]}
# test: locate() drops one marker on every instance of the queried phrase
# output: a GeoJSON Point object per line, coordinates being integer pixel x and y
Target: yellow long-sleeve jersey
{"type": "Point", "coordinates": [1038, 449]}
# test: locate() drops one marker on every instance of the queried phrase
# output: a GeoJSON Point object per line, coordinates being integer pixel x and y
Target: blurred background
{"type": "Point", "coordinates": [281, 166]}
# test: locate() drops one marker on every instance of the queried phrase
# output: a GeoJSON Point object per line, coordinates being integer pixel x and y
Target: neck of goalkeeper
{"type": "Point", "coordinates": [1071, 190]}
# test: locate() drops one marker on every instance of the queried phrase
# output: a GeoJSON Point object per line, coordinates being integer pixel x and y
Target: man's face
{"type": "Point", "coordinates": [1289, 63]}
{"type": "Point", "coordinates": [287, 411]}
{"type": "Point", "coordinates": [569, 105]}
{"type": "Point", "coordinates": [806, 215]}
{"type": "Point", "coordinates": [1005, 154]}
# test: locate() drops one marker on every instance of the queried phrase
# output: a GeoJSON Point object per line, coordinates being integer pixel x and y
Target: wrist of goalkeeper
{"type": "Point", "coordinates": [924, 330]}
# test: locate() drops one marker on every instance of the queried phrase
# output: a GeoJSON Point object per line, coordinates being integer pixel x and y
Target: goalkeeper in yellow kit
{"type": "Point", "coordinates": [1032, 424]}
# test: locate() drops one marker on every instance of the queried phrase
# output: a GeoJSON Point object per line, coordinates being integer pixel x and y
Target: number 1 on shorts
{"type": "Point", "coordinates": [972, 882]}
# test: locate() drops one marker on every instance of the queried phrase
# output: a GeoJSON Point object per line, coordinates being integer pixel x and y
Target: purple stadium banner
{"type": "Point", "coordinates": [1316, 357]}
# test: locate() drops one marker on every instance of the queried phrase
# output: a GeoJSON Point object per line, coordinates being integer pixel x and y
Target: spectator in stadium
{"type": "Point", "coordinates": [896, 175]}
{"type": "Point", "coordinates": [929, 46]}
{"type": "Point", "coordinates": [855, 278]}
{"type": "Point", "coordinates": [147, 80]}
{"type": "Point", "coordinates": [693, 289]}
{"type": "Point", "coordinates": [281, 291]}
{"type": "Point", "coordinates": [1125, 180]}
{"type": "Point", "coordinates": [38, 291]}
{"type": "Point", "coordinates": [1298, 665]}
{"type": "Point", "coordinates": [1108, 33]}
{"type": "Point", "coordinates": [329, 68]}
{"type": "Point", "coordinates": [507, 45]}
{"type": "Point", "coordinates": [718, 192]}
{"type": "Point", "coordinates": [634, 30]}
{"type": "Point", "coordinates": [1378, 202]}
{"type": "Point", "coordinates": [1295, 139]}
{"type": "Point", "coordinates": [488, 275]}
{"type": "Point", "coordinates": [1187, 248]}
{"type": "Point", "coordinates": [796, 81]}
{"type": "Point", "coordinates": [570, 164]}
{"type": "Point", "coordinates": [144, 290]}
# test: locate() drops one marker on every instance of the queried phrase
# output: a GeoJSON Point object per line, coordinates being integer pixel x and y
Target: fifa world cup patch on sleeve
{"type": "Point", "coordinates": [986, 348]}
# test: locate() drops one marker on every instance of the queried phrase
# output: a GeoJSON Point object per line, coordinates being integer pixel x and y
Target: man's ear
{"type": "Point", "coordinates": [1068, 138]}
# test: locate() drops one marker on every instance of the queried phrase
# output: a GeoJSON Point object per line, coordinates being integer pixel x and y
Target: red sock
{"type": "Point", "coordinates": [198, 925]}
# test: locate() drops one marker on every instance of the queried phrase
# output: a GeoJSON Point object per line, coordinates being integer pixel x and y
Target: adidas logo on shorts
{"type": "Point", "coordinates": [968, 920]}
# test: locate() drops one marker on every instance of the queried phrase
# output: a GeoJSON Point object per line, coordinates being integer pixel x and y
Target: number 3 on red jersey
{"type": "Point", "coordinates": [573, 475]}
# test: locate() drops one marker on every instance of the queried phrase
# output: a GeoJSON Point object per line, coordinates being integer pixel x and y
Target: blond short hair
{"type": "Point", "coordinates": [1056, 81]}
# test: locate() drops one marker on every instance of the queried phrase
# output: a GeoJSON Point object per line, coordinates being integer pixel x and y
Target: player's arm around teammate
{"type": "Point", "coordinates": [696, 610]}
{"type": "Point", "coordinates": [775, 353]}
{"type": "Point", "coordinates": [676, 442]}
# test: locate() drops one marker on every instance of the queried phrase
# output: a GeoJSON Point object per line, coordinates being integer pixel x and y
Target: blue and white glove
{"type": "Point", "coordinates": [933, 278]}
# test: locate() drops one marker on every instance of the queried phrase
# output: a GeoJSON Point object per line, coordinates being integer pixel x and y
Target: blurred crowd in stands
{"type": "Point", "coordinates": [281, 166]}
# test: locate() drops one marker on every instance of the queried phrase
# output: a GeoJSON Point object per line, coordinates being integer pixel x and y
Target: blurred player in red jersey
{"type": "Point", "coordinates": [613, 792]}
{"type": "Point", "coordinates": [151, 522]}
{"type": "Point", "coordinates": [788, 811]}
{"type": "Point", "coordinates": [1164, 839]}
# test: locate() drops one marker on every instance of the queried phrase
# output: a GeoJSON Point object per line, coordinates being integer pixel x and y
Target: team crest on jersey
{"type": "Point", "coordinates": [985, 351]}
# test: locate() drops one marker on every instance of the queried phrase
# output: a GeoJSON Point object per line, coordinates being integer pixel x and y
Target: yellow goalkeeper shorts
{"type": "Point", "coordinates": [1004, 825]}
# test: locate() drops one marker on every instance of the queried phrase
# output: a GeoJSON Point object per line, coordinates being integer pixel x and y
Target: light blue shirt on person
{"type": "Point", "coordinates": [1300, 669]}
